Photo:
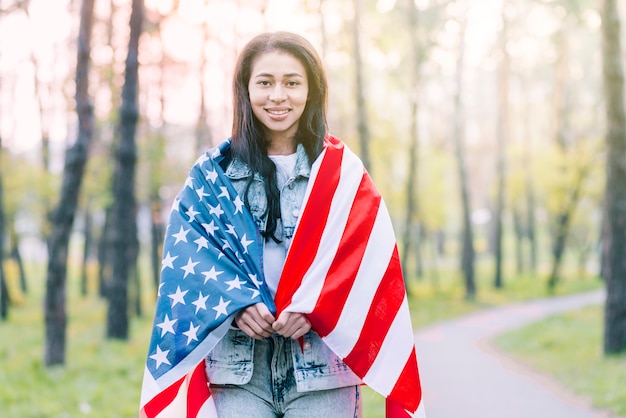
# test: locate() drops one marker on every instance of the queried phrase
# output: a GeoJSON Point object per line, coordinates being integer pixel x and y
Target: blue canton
{"type": "Point", "coordinates": [211, 265]}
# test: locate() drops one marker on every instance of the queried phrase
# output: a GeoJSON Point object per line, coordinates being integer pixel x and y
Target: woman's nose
{"type": "Point", "coordinates": [277, 94]}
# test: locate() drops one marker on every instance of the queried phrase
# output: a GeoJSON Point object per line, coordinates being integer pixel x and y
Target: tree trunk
{"type": "Point", "coordinates": [14, 242]}
{"type": "Point", "coordinates": [468, 254]}
{"type": "Point", "coordinates": [63, 215]}
{"type": "Point", "coordinates": [563, 224]}
{"type": "Point", "coordinates": [88, 234]}
{"type": "Point", "coordinates": [519, 240]}
{"type": "Point", "coordinates": [412, 180]}
{"type": "Point", "coordinates": [530, 190]}
{"type": "Point", "coordinates": [124, 208]}
{"type": "Point", "coordinates": [361, 108]}
{"type": "Point", "coordinates": [614, 255]}
{"type": "Point", "coordinates": [502, 135]}
{"type": "Point", "coordinates": [4, 291]}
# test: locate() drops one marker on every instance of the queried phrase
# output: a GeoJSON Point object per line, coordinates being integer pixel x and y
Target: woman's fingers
{"type": "Point", "coordinates": [256, 321]}
{"type": "Point", "coordinates": [292, 324]}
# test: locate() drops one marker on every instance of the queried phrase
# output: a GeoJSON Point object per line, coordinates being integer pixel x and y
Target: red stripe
{"type": "Point", "coordinates": [307, 239]}
{"type": "Point", "coordinates": [395, 410]}
{"type": "Point", "coordinates": [384, 308]}
{"type": "Point", "coordinates": [162, 400]}
{"type": "Point", "coordinates": [198, 391]}
{"type": "Point", "coordinates": [345, 266]}
{"type": "Point", "coordinates": [407, 390]}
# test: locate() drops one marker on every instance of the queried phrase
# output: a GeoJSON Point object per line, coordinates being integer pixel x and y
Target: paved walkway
{"type": "Point", "coordinates": [463, 376]}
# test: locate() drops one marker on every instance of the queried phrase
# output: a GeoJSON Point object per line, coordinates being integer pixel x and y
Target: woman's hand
{"type": "Point", "coordinates": [256, 321]}
{"type": "Point", "coordinates": [292, 324]}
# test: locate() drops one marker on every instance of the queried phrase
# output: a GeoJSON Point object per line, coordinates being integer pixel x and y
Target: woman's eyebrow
{"type": "Point", "coordinates": [284, 75]}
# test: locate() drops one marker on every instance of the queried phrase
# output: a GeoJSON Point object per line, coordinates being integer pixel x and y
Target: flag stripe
{"type": "Point", "coordinates": [157, 404]}
{"type": "Point", "coordinates": [373, 267]}
{"type": "Point", "coordinates": [312, 224]}
{"type": "Point", "coordinates": [383, 308]}
{"type": "Point", "coordinates": [404, 390]}
{"type": "Point", "coordinates": [198, 385]}
{"type": "Point", "coordinates": [345, 266]}
{"type": "Point", "coordinates": [393, 354]}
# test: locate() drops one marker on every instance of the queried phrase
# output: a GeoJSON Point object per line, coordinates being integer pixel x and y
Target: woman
{"type": "Point", "coordinates": [279, 126]}
{"type": "Point", "coordinates": [281, 283]}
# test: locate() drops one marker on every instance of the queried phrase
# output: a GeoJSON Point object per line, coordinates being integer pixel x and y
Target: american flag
{"type": "Point", "coordinates": [342, 269]}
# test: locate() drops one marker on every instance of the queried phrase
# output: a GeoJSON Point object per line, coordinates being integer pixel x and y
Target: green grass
{"type": "Point", "coordinates": [569, 347]}
{"type": "Point", "coordinates": [102, 378]}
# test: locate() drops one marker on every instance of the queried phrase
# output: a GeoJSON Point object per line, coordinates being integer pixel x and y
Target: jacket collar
{"type": "Point", "coordinates": [237, 169]}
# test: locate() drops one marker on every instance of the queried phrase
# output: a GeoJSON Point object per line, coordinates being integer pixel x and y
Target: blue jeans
{"type": "Point", "coordinates": [272, 392]}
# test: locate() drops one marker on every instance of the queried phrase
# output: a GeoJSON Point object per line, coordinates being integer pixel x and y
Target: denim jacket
{"type": "Point", "coordinates": [316, 367]}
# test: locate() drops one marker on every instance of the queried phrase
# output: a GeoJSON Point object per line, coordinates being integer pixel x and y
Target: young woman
{"type": "Point", "coordinates": [279, 126]}
{"type": "Point", "coordinates": [281, 283]}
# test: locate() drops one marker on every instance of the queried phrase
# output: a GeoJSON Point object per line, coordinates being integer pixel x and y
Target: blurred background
{"type": "Point", "coordinates": [482, 122]}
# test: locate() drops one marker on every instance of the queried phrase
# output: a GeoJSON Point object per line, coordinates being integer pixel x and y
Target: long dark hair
{"type": "Point", "coordinates": [249, 142]}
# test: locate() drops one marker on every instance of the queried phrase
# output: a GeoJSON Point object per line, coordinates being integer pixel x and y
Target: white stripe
{"type": "Point", "coordinates": [375, 262]}
{"type": "Point", "coordinates": [178, 407]}
{"type": "Point", "coordinates": [394, 353]}
{"type": "Point", "coordinates": [305, 298]}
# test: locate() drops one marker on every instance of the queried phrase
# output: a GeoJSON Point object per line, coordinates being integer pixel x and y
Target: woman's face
{"type": "Point", "coordinates": [278, 89]}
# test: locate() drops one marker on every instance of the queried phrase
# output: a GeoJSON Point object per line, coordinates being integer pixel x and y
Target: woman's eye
{"type": "Point", "coordinates": [263, 83]}
{"type": "Point", "coordinates": [292, 83]}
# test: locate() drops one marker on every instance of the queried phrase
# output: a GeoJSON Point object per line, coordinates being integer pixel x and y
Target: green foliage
{"type": "Point", "coordinates": [569, 347]}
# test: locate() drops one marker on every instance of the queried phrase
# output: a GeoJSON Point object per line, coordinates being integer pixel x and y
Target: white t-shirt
{"type": "Point", "coordinates": [274, 254]}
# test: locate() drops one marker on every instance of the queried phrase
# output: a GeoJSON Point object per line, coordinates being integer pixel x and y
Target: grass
{"type": "Point", "coordinates": [569, 347]}
{"type": "Point", "coordinates": [102, 378]}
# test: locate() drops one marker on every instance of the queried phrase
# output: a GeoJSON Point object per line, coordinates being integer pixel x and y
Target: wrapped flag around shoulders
{"type": "Point", "coordinates": [342, 269]}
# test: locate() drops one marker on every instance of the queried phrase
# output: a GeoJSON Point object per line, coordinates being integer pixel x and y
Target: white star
{"type": "Point", "coordinates": [234, 284]}
{"type": "Point", "coordinates": [189, 182]}
{"type": "Point", "coordinates": [210, 228]}
{"type": "Point", "coordinates": [189, 268]}
{"type": "Point", "coordinates": [160, 357]}
{"type": "Point", "coordinates": [238, 205]}
{"type": "Point", "coordinates": [245, 243]}
{"type": "Point", "coordinates": [167, 325]}
{"type": "Point", "coordinates": [168, 261]}
{"type": "Point", "coordinates": [202, 243]}
{"type": "Point", "coordinates": [192, 334]}
{"type": "Point", "coordinates": [191, 213]}
{"type": "Point", "coordinates": [216, 153]}
{"type": "Point", "coordinates": [224, 192]}
{"type": "Point", "coordinates": [178, 297]}
{"type": "Point", "coordinates": [255, 292]}
{"type": "Point", "coordinates": [201, 159]}
{"type": "Point", "coordinates": [217, 210]}
{"type": "Point", "coordinates": [181, 235]}
{"type": "Point", "coordinates": [226, 245]}
{"type": "Point", "coordinates": [254, 280]}
{"type": "Point", "coordinates": [159, 291]}
{"type": "Point", "coordinates": [211, 274]}
{"type": "Point", "coordinates": [200, 193]}
{"type": "Point", "coordinates": [175, 205]}
{"type": "Point", "coordinates": [221, 308]}
{"type": "Point", "coordinates": [201, 302]}
{"type": "Point", "coordinates": [230, 229]}
{"type": "Point", "coordinates": [211, 175]}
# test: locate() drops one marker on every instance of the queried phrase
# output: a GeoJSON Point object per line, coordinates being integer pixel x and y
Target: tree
{"type": "Point", "coordinates": [4, 291]}
{"type": "Point", "coordinates": [614, 237]}
{"type": "Point", "coordinates": [502, 134]}
{"type": "Point", "coordinates": [63, 215]}
{"type": "Point", "coordinates": [468, 253]}
{"type": "Point", "coordinates": [125, 245]}
{"type": "Point", "coordinates": [411, 199]}
{"type": "Point", "coordinates": [363, 129]}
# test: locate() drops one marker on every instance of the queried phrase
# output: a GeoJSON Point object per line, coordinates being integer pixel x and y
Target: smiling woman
{"type": "Point", "coordinates": [302, 332]}
{"type": "Point", "coordinates": [278, 94]}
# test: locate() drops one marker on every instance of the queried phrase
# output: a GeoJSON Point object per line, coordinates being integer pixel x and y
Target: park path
{"type": "Point", "coordinates": [463, 376]}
